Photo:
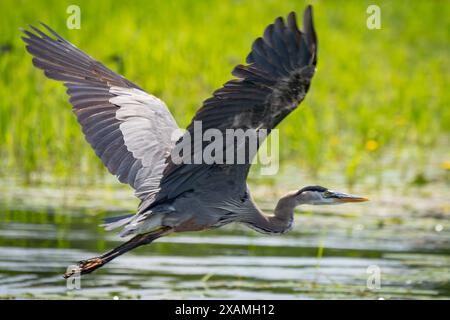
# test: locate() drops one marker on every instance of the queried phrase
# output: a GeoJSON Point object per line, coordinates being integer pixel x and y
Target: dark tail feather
{"type": "Point", "coordinates": [89, 265]}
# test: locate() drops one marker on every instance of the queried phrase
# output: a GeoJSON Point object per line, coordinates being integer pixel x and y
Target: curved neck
{"type": "Point", "coordinates": [281, 220]}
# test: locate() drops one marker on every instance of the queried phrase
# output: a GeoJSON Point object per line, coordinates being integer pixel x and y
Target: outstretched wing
{"type": "Point", "coordinates": [275, 80]}
{"type": "Point", "coordinates": [129, 129]}
{"type": "Point", "coordinates": [272, 84]}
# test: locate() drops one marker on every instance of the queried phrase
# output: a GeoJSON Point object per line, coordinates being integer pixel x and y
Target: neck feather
{"type": "Point", "coordinates": [281, 220]}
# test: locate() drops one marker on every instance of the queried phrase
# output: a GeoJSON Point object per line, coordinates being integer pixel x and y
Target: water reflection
{"type": "Point", "coordinates": [37, 246]}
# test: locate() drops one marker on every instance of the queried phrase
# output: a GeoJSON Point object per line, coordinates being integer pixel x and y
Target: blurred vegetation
{"type": "Point", "coordinates": [379, 100]}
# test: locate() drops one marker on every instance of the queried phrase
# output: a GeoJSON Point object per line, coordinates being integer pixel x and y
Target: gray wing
{"type": "Point", "coordinates": [129, 129]}
{"type": "Point", "coordinates": [272, 84]}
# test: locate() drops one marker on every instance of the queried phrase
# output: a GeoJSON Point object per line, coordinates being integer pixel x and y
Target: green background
{"type": "Point", "coordinates": [379, 101]}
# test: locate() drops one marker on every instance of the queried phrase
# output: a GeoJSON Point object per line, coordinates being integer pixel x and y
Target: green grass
{"type": "Point", "coordinates": [379, 100]}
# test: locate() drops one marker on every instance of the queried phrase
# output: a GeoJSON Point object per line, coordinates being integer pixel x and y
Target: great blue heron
{"type": "Point", "coordinates": [130, 130]}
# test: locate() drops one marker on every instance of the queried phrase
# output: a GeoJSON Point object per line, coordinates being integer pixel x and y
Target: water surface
{"type": "Point", "coordinates": [326, 255]}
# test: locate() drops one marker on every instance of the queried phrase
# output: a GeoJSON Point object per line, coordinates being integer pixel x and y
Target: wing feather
{"type": "Point", "coordinates": [119, 120]}
{"type": "Point", "coordinates": [275, 80]}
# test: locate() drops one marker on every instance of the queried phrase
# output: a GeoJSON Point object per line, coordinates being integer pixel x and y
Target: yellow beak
{"type": "Point", "coordinates": [343, 197]}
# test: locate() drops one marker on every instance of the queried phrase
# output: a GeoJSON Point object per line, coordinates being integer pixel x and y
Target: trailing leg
{"type": "Point", "coordinates": [89, 265]}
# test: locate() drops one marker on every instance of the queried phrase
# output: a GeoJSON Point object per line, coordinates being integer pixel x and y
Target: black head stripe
{"type": "Point", "coordinates": [313, 188]}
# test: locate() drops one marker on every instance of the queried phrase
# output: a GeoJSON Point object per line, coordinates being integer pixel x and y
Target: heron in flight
{"type": "Point", "coordinates": [131, 131]}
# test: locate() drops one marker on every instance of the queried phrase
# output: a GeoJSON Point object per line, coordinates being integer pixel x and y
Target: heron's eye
{"type": "Point", "coordinates": [327, 194]}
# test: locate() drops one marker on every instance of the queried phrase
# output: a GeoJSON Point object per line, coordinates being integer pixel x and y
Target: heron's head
{"type": "Point", "coordinates": [317, 195]}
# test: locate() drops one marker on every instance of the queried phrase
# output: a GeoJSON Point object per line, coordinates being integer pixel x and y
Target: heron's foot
{"type": "Point", "coordinates": [85, 267]}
